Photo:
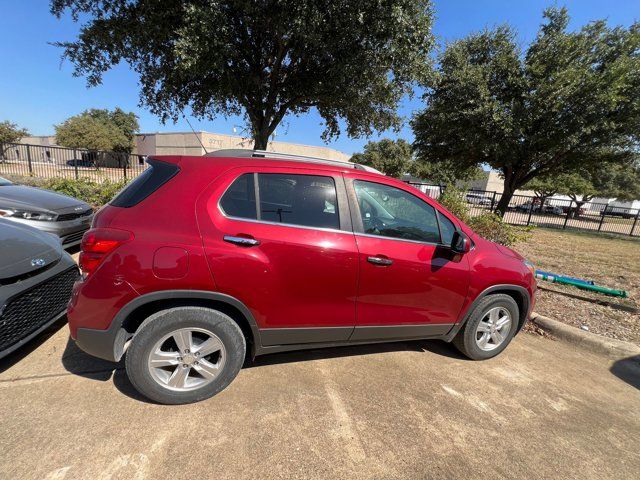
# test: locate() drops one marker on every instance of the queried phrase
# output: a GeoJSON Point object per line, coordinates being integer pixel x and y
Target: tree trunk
{"type": "Point", "coordinates": [503, 204]}
{"type": "Point", "coordinates": [576, 210]}
{"type": "Point", "coordinates": [260, 141]}
{"type": "Point", "coordinates": [507, 194]}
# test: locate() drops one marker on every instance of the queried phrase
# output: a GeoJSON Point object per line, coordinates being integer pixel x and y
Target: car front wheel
{"type": "Point", "coordinates": [490, 328]}
{"type": "Point", "coordinates": [185, 354]}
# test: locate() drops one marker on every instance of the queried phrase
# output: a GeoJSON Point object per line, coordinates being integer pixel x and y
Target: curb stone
{"type": "Point", "coordinates": [593, 342]}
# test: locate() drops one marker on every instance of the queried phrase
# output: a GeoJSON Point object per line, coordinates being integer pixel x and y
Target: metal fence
{"type": "Point", "coordinates": [549, 212]}
{"type": "Point", "coordinates": [52, 161]}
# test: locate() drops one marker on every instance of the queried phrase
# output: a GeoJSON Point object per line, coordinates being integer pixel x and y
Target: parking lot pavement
{"type": "Point", "coordinates": [542, 409]}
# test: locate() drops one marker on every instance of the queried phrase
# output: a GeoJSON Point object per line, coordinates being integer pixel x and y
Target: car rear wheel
{"type": "Point", "coordinates": [490, 327]}
{"type": "Point", "coordinates": [185, 354]}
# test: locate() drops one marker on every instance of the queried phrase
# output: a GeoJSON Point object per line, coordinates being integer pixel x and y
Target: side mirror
{"type": "Point", "coordinates": [460, 243]}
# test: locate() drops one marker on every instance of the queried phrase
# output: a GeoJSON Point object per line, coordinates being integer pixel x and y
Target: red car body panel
{"type": "Point", "coordinates": [297, 277]}
{"type": "Point", "coordinates": [423, 285]}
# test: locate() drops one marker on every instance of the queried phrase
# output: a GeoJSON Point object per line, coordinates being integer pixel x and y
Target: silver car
{"type": "Point", "coordinates": [64, 216]}
{"type": "Point", "coordinates": [477, 199]}
{"type": "Point", "coordinates": [36, 278]}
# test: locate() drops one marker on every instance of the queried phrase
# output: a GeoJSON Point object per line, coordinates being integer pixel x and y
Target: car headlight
{"type": "Point", "coordinates": [27, 215]}
{"type": "Point", "coordinates": [531, 267]}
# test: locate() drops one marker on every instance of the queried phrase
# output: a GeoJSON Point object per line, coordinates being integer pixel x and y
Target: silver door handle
{"type": "Point", "coordinates": [380, 261]}
{"type": "Point", "coordinates": [243, 241]}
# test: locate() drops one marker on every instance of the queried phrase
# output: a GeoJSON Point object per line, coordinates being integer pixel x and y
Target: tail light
{"type": "Point", "coordinates": [97, 243]}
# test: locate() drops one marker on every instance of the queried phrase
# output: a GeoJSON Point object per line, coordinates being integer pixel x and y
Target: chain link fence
{"type": "Point", "coordinates": [550, 212]}
{"type": "Point", "coordinates": [53, 161]}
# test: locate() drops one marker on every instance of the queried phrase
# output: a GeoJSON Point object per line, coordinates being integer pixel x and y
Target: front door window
{"type": "Point", "coordinates": [390, 212]}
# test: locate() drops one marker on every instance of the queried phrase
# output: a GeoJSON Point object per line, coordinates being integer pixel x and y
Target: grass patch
{"type": "Point", "coordinates": [609, 260]}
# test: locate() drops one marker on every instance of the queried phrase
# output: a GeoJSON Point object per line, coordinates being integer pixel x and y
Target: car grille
{"type": "Point", "coordinates": [24, 313]}
{"type": "Point", "coordinates": [71, 216]}
{"type": "Point", "coordinates": [74, 237]}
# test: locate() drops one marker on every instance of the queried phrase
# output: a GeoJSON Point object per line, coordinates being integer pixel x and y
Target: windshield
{"type": "Point", "coordinates": [4, 181]}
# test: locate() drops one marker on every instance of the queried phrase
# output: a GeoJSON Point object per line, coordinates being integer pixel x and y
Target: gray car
{"type": "Point", "coordinates": [64, 216]}
{"type": "Point", "coordinates": [36, 278]}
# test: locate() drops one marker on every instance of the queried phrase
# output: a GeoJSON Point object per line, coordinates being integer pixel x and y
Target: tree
{"type": "Point", "coordinates": [543, 187]}
{"type": "Point", "coordinates": [619, 181]}
{"type": "Point", "coordinates": [391, 157]}
{"type": "Point", "coordinates": [395, 158]}
{"type": "Point", "coordinates": [11, 133]}
{"type": "Point", "coordinates": [352, 61]}
{"type": "Point", "coordinates": [97, 129]}
{"type": "Point", "coordinates": [444, 173]}
{"type": "Point", "coordinates": [571, 101]}
{"type": "Point", "coordinates": [578, 186]}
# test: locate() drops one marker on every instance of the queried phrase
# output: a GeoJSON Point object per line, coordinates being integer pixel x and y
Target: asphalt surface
{"type": "Point", "coordinates": [542, 409]}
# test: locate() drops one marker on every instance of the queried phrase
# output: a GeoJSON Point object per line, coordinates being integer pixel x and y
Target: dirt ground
{"type": "Point", "coordinates": [611, 261]}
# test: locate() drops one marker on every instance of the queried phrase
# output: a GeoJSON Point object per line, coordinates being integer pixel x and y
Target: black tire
{"type": "Point", "coordinates": [154, 328]}
{"type": "Point", "coordinates": [465, 340]}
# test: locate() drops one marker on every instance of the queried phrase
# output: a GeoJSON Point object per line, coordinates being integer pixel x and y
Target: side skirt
{"type": "Point", "coordinates": [280, 339]}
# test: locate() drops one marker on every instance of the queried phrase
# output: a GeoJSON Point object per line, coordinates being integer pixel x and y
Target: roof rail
{"type": "Point", "coordinates": [244, 153]}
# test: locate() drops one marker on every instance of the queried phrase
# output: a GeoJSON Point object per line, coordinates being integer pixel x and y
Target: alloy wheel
{"type": "Point", "coordinates": [493, 329]}
{"type": "Point", "coordinates": [187, 359]}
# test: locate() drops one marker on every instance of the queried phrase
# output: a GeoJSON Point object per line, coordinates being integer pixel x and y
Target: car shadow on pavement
{"type": "Point", "coordinates": [434, 346]}
{"type": "Point", "coordinates": [77, 362]}
{"type": "Point", "coordinates": [22, 352]}
{"type": "Point", "coordinates": [628, 370]}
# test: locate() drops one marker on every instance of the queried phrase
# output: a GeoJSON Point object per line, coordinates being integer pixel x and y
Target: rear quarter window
{"type": "Point", "coordinates": [157, 174]}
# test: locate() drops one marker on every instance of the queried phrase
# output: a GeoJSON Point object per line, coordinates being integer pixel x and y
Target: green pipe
{"type": "Point", "coordinates": [583, 286]}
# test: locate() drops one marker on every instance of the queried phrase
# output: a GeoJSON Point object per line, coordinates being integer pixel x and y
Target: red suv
{"type": "Point", "coordinates": [203, 260]}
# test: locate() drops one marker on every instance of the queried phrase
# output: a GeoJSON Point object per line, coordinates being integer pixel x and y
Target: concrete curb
{"type": "Point", "coordinates": [590, 341]}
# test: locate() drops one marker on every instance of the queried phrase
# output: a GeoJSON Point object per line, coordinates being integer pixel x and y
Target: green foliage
{"type": "Point", "coordinates": [620, 181]}
{"type": "Point", "coordinates": [444, 173]}
{"type": "Point", "coordinates": [99, 129]}
{"type": "Point", "coordinates": [95, 194]}
{"type": "Point", "coordinates": [352, 61]}
{"type": "Point", "coordinates": [569, 102]}
{"type": "Point", "coordinates": [488, 225]}
{"type": "Point", "coordinates": [543, 186]}
{"type": "Point", "coordinates": [10, 132]}
{"type": "Point", "coordinates": [395, 158]}
{"type": "Point", "coordinates": [391, 157]}
{"type": "Point", "coordinates": [492, 227]}
{"type": "Point", "coordinates": [452, 198]}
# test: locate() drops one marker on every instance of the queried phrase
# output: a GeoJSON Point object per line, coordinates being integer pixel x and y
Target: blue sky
{"type": "Point", "coordinates": [38, 91]}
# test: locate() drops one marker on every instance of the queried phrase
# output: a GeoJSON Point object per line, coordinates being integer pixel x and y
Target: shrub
{"type": "Point", "coordinates": [492, 227]}
{"type": "Point", "coordinates": [488, 225]}
{"type": "Point", "coordinates": [452, 199]}
{"type": "Point", "coordinates": [95, 194]}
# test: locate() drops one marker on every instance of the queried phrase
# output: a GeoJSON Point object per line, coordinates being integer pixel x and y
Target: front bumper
{"type": "Point", "coordinates": [30, 306]}
{"type": "Point", "coordinates": [70, 231]}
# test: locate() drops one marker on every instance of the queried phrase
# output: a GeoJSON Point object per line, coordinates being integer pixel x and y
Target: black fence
{"type": "Point", "coordinates": [550, 212]}
{"type": "Point", "coordinates": [52, 161]}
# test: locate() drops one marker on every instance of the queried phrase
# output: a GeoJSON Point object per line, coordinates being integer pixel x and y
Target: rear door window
{"type": "Point", "coordinates": [305, 200]}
